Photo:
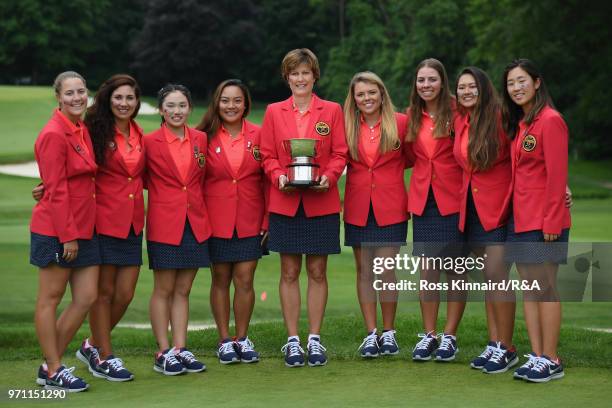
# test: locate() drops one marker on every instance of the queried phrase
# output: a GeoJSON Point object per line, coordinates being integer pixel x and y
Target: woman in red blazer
{"type": "Point", "coordinates": [63, 242]}
{"type": "Point", "coordinates": [117, 143]}
{"type": "Point", "coordinates": [482, 149]}
{"type": "Point", "coordinates": [235, 196]}
{"type": "Point", "coordinates": [303, 221]}
{"type": "Point", "coordinates": [177, 225]}
{"type": "Point", "coordinates": [434, 201]}
{"type": "Point", "coordinates": [374, 200]}
{"type": "Point", "coordinates": [538, 230]}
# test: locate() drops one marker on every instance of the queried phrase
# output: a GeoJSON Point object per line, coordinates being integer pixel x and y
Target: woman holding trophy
{"type": "Point", "coordinates": [304, 152]}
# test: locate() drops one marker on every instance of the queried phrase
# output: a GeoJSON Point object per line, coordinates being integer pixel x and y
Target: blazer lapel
{"type": "Point", "coordinates": [165, 151]}
{"type": "Point", "coordinates": [316, 108]}
{"type": "Point", "coordinates": [289, 119]}
{"type": "Point", "coordinates": [217, 146]}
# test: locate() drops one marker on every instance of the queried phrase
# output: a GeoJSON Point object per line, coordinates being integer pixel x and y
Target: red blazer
{"type": "Point", "coordinates": [441, 172]}
{"type": "Point", "coordinates": [490, 187]}
{"type": "Point", "coordinates": [382, 185]}
{"type": "Point", "coordinates": [120, 203]}
{"type": "Point", "coordinates": [171, 201]}
{"type": "Point", "coordinates": [68, 207]}
{"type": "Point", "coordinates": [236, 202]}
{"type": "Point", "coordinates": [539, 173]}
{"type": "Point", "coordinates": [278, 125]}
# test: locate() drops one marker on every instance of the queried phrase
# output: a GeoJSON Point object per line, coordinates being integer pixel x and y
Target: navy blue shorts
{"type": "Point", "coordinates": [235, 249]}
{"type": "Point", "coordinates": [303, 235]}
{"type": "Point", "coordinates": [474, 232]}
{"type": "Point", "coordinates": [189, 254]}
{"type": "Point", "coordinates": [374, 235]}
{"type": "Point", "coordinates": [435, 234]}
{"type": "Point", "coordinates": [121, 251]}
{"type": "Point", "coordinates": [45, 250]}
{"type": "Point", "coordinates": [529, 247]}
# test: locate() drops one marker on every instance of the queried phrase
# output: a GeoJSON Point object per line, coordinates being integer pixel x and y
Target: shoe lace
{"type": "Point", "coordinates": [66, 375]}
{"type": "Point", "coordinates": [446, 343]}
{"type": "Point", "coordinates": [530, 362]}
{"type": "Point", "coordinates": [115, 363]}
{"type": "Point", "coordinates": [94, 353]}
{"type": "Point", "coordinates": [246, 345]}
{"type": "Point", "coordinates": [540, 364]}
{"type": "Point", "coordinates": [424, 343]}
{"type": "Point", "coordinates": [226, 348]}
{"type": "Point", "coordinates": [371, 340]}
{"type": "Point", "coordinates": [293, 349]}
{"type": "Point", "coordinates": [187, 355]}
{"type": "Point", "coordinates": [388, 338]}
{"type": "Point", "coordinates": [315, 347]}
{"type": "Point", "coordinates": [170, 358]}
{"type": "Point", "coordinates": [487, 353]}
{"type": "Point", "coordinates": [498, 354]}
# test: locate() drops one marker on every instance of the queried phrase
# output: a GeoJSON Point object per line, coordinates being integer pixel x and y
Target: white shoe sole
{"type": "Point", "coordinates": [503, 370]}
{"type": "Point", "coordinates": [294, 365]}
{"type": "Point", "coordinates": [41, 382]}
{"type": "Point", "coordinates": [317, 364]}
{"type": "Point", "coordinates": [51, 387]}
{"type": "Point", "coordinates": [164, 372]}
{"type": "Point", "coordinates": [109, 378]}
{"type": "Point", "coordinates": [547, 379]}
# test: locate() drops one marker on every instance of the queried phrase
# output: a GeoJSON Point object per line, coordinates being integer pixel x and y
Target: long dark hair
{"type": "Point", "coordinates": [513, 113]}
{"type": "Point", "coordinates": [99, 118]}
{"type": "Point", "coordinates": [211, 121]}
{"type": "Point", "coordinates": [444, 114]}
{"type": "Point", "coordinates": [483, 142]}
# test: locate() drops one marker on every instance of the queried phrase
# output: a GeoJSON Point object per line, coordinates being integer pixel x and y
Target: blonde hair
{"type": "Point", "coordinates": [57, 83]}
{"type": "Point", "coordinates": [445, 101]}
{"type": "Point", "coordinates": [389, 138]}
{"type": "Point", "coordinates": [300, 56]}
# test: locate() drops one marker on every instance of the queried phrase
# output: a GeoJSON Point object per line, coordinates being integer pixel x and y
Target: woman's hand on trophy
{"type": "Point", "coordinates": [282, 184]}
{"type": "Point", "coordinates": [323, 185]}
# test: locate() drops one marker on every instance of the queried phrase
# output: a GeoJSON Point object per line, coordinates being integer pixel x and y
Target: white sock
{"type": "Point", "coordinates": [44, 366]}
{"type": "Point", "coordinates": [87, 344]}
{"type": "Point", "coordinates": [312, 336]}
{"type": "Point", "coordinates": [297, 338]}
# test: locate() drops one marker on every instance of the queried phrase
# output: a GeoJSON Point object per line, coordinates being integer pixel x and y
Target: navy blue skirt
{"type": "Point", "coordinates": [474, 232]}
{"type": "Point", "coordinates": [45, 250]}
{"type": "Point", "coordinates": [529, 247]}
{"type": "Point", "coordinates": [235, 249]}
{"type": "Point", "coordinates": [121, 251]}
{"type": "Point", "coordinates": [303, 235]}
{"type": "Point", "coordinates": [374, 235]}
{"type": "Point", "coordinates": [435, 234]}
{"type": "Point", "coordinates": [189, 254]}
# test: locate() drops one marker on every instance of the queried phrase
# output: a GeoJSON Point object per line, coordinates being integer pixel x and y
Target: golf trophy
{"type": "Point", "coordinates": [303, 171]}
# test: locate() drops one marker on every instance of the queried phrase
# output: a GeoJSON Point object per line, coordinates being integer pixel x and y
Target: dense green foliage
{"type": "Point", "coordinates": [202, 43]}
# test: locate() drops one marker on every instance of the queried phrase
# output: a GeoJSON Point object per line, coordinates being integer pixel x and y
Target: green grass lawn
{"type": "Point", "coordinates": [346, 381]}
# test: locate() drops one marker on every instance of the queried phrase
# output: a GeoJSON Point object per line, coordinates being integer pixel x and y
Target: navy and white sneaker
{"type": "Point", "coordinates": [545, 370]}
{"type": "Point", "coordinates": [388, 344]}
{"type": "Point", "coordinates": [41, 377]}
{"type": "Point", "coordinates": [316, 352]}
{"type": "Point", "coordinates": [501, 360]}
{"type": "Point", "coordinates": [88, 356]}
{"type": "Point", "coordinates": [188, 360]}
{"type": "Point", "coordinates": [369, 346]}
{"type": "Point", "coordinates": [227, 352]}
{"type": "Point", "coordinates": [521, 372]}
{"type": "Point", "coordinates": [425, 347]}
{"type": "Point", "coordinates": [65, 380]}
{"type": "Point", "coordinates": [167, 363]}
{"type": "Point", "coordinates": [112, 369]}
{"type": "Point", "coordinates": [294, 353]}
{"type": "Point", "coordinates": [246, 350]}
{"type": "Point", "coordinates": [480, 361]}
{"type": "Point", "coordinates": [448, 348]}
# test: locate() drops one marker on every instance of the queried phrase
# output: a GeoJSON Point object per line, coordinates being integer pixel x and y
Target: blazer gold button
{"type": "Point", "coordinates": [131, 196]}
{"type": "Point", "coordinates": [129, 179]}
{"type": "Point", "coordinates": [475, 190]}
{"type": "Point", "coordinates": [94, 195]}
{"type": "Point", "coordinates": [184, 188]}
{"type": "Point", "coordinates": [234, 181]}
{"type": "Point", "coordinates": [93, 179]}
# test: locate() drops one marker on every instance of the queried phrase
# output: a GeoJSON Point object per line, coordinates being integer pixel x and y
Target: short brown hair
{"type": "Point", "coordinates": [300, 56]}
